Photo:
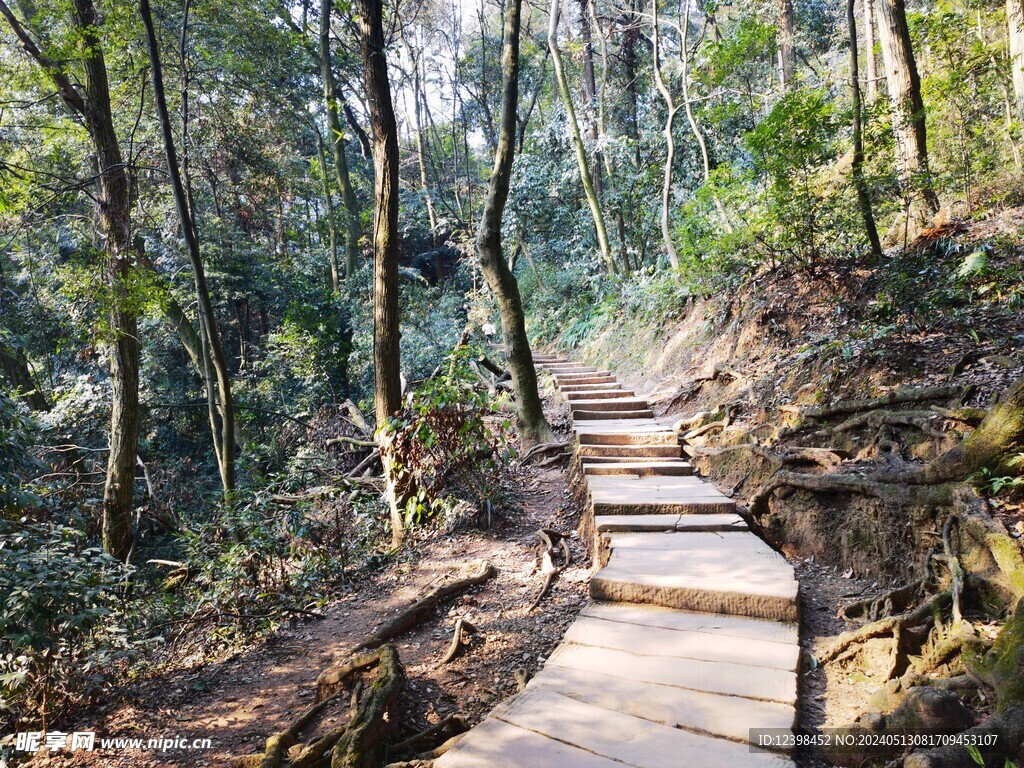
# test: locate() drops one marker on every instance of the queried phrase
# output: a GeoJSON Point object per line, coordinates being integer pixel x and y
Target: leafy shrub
{"type": "Point", "coordinates": [443, 446]}
{"type": "Point", "coordinates": [60, 631]}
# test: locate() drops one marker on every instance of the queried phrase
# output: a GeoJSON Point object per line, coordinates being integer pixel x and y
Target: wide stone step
{"type": "Point", "coordinates": [582, 377]}
{"type": "Point", "coordinates": [623, 404]}
{"type": "Point", "coordinates": [729, 717]}
{"type": "Point", "coordinates": [571, 369]}
{"type": "Point", "coordinates": [567, 388]}
{"type": "Point", "coordinates": [629, 451]}
{"type": "Point", "coordinates": [640, 468]}
{"type": "Point", "coordinates": [656, 436]}
{"type": "Point", "coordinates": [665, 495]}
{"type": "Point", "coordinates": [690, 621]}
{"type": "Point", "coordinates": [600, 394]}
{"type": "Point", "coordinates": [496, 744]}
{"type": "Point", "coordinates": [732, 573]}
{"type": "Point", "coordinates": [632, 740]}
{"type": "Point", "coordinates": [669, 523]}
{"type": "Point", "coordinates": [595, 415]}
{"type": "Point", "coordinates": [683, 644]}
{"type": "Point", "coordinates": [741, 680]}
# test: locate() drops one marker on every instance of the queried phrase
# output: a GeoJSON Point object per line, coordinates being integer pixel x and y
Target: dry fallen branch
{"type": "Point", "coordinates": [355, 441]}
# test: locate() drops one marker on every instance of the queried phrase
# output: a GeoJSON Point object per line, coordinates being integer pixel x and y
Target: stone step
{"type": "Point", "coordinates": [600, 394]}
{"type": "Point", "coordinates": [659, 436]}
{"type": "Point", "coordinates": [689, 621]}
{"type": "Point", "coordinates": [567, 388]}
{"type": "Point", "coordinates": [604, 381]}
{"type": "Point", "coordinates": [668, 523]}
{"type": "Point", "coordinates": [571, 368]}
{"type": "Point", "coordinates": [641, 468]}
{"type": "Point", "coordinates": [581, 377]}
{"type": "Point", "coordinates": [741, 680]}
{"type": "Point", "coordinates": [623, 404]}
{"type": "Point", "coordinates": [630, 451]}
{"type": "Point", "coordinates": [594, 415]}
{"type": "Point", "coordinates": [666, 495]}
{"type": "Point", "coordinates": [683, 644]}
{"type": "Point", "coordinates": [633, 741]}
{"type": "Point", "coordinates": [496, 744]}
{"type": "Point", "coordinates": [732, 573]}
{"type": "Point", "coordinates": [729, 717]}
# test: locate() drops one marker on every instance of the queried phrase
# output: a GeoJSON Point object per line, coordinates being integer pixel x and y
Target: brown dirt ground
{"type": "Point", "coordinates": [241, 700]}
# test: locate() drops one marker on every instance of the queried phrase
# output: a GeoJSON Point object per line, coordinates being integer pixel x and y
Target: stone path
{"type": "Point", "coordinates": [690, 638]}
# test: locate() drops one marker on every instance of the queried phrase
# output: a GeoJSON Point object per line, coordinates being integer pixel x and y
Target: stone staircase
{"type": "Point", "coordinates": [690, 638]}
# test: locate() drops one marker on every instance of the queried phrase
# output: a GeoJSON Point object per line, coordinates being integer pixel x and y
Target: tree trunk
{"type": "Point", "coordinates": [533, 429]}
{"type": "Point", "coordinates": [387, 395]}
{"type": "Point", "coordinates": [786, 45]}
{"type": "Point", "coordinates": [581, 154]}
{"type": "Point", "coordinates": [856, 166]}
{"type": "Point", "coordinates": [869, 51]}
{"type": "Point", "coordinates": [421, 150]}
{"type": "Point", "coordinates": [590, 88]}
{"type": "Point", "coordinates": [15, 371]}
{"type": "Point", "coordinates": [337, 139]}
{"type": "Point", "coordinates": [332, 230]}
{"type": "Point", "coordinates": [670, 142]}
{"type": "Point", "coordinates": [217, 376]}
{"type": "Point", "coordinates": [113, 217]}
{"type": "Point", "coordinates": [688, 103]}
{"type": "Point", "coordinates": [1015, 33]}
{"type": "Point", "coordinates": [908, 119]}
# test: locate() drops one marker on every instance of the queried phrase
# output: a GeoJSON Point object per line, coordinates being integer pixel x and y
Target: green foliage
{"type": "Point", "coordinates": [443, 444]}
{"type": "Point", "coordinates": [15, 460]}
{"type": "Point", "coordinates": [61, 632]}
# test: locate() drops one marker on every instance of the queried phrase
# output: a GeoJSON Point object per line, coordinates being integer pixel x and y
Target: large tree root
{"type": "Point", "coordinates": [358, 743]}
{"type": "Point", "coordinates": [842, 407]}
{"type": "Point", "coordinates": [361, 745]}
{"type": "Point", "coordinates": [886, 626]}
{"type": "Point", "coordinates": [416, 612]}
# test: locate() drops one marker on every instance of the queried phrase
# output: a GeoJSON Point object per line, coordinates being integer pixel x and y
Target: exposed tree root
{"type": "Point", "coordinates": [885, 604]}
{"type": "Point", "coordinates": [453, 724]}
{"type": "Point", "coordinates": [532, 455]}
{"type": "Point", "coordinates": [416, 612]}
{"type": "Point", "coordinates": [921, 420]}
{"type": "Point", "coordinates": [361, 735]}
{"type": "Point", "coordinates": [842, 407]}
{"type": "Point", "coordinates": [361, 745]}
{"type": "Point", "coordinates": [460, 637]}
{"type": "Point", "coordinates": [886, 626]}
{"type": "Point", "coordinates": [548, 567]}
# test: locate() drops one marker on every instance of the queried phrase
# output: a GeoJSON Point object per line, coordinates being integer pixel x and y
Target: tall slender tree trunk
{"type": "Point", "coordinates": [590, 90]}
{"type": "Point", "coordinates": [337, 139]}
{"type": "Point", "coordinates": [589, 190]}
{"type": "Point", "coordinates": [786, 43]}
{"type": "Point", "coordinates": [908, 119]}
{"type": "Point", "coordinates": [1015, 35]}
{"type": "Point", "coordinates": [869, 51]}
{"type": "Point", "coordinates": [113, 217]}
{"type": "Point", "coordinates": [863, 198]}
{"type": "Point", "coordinates": [217, 376]}
{"type": "Point", "coordinates": [533, 428]}
{"type": "Point", "coordinates": [387, 394]}
{"type": "Point", "coordinates": [421, 148]}
{"type": "Point", "coordinates": [692, 120]}
{"type": "Point", "coordinates": [670, 142]}
{"type": "Point", "coordinates": [332, 229]}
